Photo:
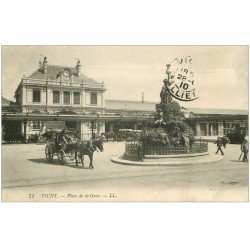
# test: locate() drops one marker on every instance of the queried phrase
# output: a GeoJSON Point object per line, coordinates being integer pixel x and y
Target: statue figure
{"type": "Point", "coordinates": [160, 122]}
{"type": "Point", "coordinates": [165, 95]}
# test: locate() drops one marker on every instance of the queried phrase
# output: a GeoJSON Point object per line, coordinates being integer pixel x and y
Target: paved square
{"type": "Point", "coordinates": [27, 176]}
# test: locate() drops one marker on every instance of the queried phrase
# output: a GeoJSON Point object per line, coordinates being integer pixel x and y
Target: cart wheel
{"type": "Point", "coordinates": [71, 155]}
{"type": "Point", "coordinates": [61, 157]}
{"type": "Point", "coordinates": [49, 153]}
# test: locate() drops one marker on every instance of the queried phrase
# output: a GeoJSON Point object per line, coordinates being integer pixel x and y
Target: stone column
{"type": "Point", "coordinates": [24, 123]}
{"type": "Point", "coordinates": [71, 98]}
{"type": "Point", "coordinates": [216, 127]}
{"type": "Point", "coordinates": [102, 127]}
{"type": "Point", "coordinates": [135, 126]}
{"type": "Point", "coordinates": [3, 130]}
{"type": "Point", "coordinates": [82, 98]}
{"type": "Point", "coordinates": [85, 130]}
{"type": "Point", "coordinates": [220, 128]}
{"type": "Point", "coordinates": [197, 128]}
{"type": "Point", "coordinates": [92, 129]}
{"type": "Point", "coordinates": [211, 129]}
{"type": "Point", "coordinates": [207, 128]}
{"type": "Point", "coordinates": [61, 97]}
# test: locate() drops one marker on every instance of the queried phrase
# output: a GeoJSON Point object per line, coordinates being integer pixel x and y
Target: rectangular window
{"type": "Point", "coordinates": [56, 96]}
{"type": "Point", "coordinates": [76, 97]}
{"type": "Point", "coordinates": [36, 95]}
{"type": "Point", "coordinates": [66, 97]}
{"type": "Point", "coordinates": [93, 99]}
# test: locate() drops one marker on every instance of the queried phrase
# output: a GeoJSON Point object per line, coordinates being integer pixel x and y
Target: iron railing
{"type": "Point", "coordinates": [137, 150]}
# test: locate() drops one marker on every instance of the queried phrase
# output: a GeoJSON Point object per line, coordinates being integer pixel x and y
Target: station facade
{"type": "Point", "coordinates": [57, 90]}
{"type": "Point", "coordinates": [56, 96]}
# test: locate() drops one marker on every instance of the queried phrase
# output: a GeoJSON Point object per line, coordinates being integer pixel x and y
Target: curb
{"type": "Point", "coordinates": [173, 162]}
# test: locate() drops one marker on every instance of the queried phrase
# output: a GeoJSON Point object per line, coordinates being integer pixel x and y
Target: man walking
{"type": "Point", "coordinates": [219, 145]}
{"type": "Point", "coordinates": [244, 150]}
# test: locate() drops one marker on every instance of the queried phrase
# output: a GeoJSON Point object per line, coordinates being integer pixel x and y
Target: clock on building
{"type": "Point", "coordinates": [66, 73]}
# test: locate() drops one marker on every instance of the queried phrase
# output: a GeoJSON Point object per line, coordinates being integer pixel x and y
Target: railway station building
{"type": "Point", "coordinates": [56, 96]}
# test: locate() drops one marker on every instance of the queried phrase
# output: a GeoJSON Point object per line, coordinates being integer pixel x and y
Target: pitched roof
{"type": "Point", "coordinates": [130, 105]}
{"type": "Point", "coordinates": [150, 107]}
{"type": "Point", "coordinates": [54, 72]}
{"type": "Point", "coordinates": [4, 101]}
{"type": "Point", "coordinates": [203, 111]}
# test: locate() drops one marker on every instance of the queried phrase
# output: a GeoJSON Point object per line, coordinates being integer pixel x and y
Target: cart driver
{"type": "Point", "coordinates": [64, 137]}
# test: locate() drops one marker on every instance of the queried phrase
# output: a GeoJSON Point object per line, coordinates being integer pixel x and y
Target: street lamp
{"type": "Point", "coordinates": [169, 81]}
{"type": "Point", "coordinates": [168, 71]}
{"type": "Point", "coordinates": [170, 78]}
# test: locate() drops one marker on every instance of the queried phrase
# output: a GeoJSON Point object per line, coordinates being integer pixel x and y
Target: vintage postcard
{"type": "Point", "coordinates": [124, 123]}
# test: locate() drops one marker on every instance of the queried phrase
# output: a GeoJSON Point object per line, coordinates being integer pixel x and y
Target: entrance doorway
{"type": "Point", "coordinates": [12, 131]}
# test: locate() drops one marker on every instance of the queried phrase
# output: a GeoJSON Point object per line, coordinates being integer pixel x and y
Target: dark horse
{"type": "Point", "coordinates": [84, 148]}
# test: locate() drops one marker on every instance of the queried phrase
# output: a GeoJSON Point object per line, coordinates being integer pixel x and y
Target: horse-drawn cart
{"type": "Point", "coordinates": [70, 151]}
{"type": "Point", "coordinates": [57, 148]}
{"type": "Point", "coordinates": [63, 153]}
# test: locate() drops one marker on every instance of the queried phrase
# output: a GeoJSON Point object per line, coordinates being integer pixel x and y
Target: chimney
{"type": "Point", "coordinates": [78, 68]}
{"type": "Point", "coordinates": [142, 97]}
{"type": "Point", "coordinates": [45, 65]}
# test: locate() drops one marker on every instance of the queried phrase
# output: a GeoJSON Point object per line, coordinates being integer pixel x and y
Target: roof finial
{"type": "Point", "coordinates": [78, 67]}
{"type": "Point", "coordinates": [40, 62]}
{"type": "Point", "coordinates": [45, 65]}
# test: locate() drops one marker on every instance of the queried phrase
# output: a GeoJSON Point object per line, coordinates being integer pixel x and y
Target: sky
{"type": "Point", "coordinates": [127, 71]}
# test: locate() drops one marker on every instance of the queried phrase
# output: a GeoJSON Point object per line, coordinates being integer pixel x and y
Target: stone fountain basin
{"type": "Point", "coordinates": [174, 156]}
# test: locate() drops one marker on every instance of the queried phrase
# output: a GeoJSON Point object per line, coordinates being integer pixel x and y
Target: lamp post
{"type": "Point", "coordinates": [25, 131]}
{"type": "Point", "coordinates": [170, 77]}
{"type": "Point", "coordinates": [92, 129]}
{"type": "Point", "coordinates": [168, 81]}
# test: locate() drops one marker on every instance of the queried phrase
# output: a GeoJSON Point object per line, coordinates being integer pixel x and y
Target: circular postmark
{"type": "Point", "coordinates": [180, 81]}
